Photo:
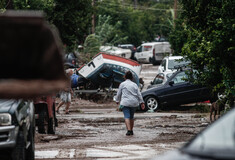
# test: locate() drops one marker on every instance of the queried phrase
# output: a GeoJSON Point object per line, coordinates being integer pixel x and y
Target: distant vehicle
{"type": "Point", "coordinates": [176, 91]}
{"type": "Point", "coordinates": [17, 129]}
{"type": "Point", "coordinates": [71, 60]}
{"type": "Point", "coordinates": [160, 79]}
{"type": "Point", "coordinates": [216, 142]}
{"type": "Point", "coordinates": [126, 53]}
{"type": "Point", "coordinates": [170, 63]}
{"type": "Point", "coordinates": [131, 47]}
{"type": "Point", "coordinates": [152, 52]}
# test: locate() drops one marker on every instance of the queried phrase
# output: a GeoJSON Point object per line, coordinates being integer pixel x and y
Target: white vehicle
{"type": "Point", "coordinates": [170, 63]}
{"type": "Point", "coordinates": [126, 53]}
{"type": "Point", "coordinates": [152, 52]}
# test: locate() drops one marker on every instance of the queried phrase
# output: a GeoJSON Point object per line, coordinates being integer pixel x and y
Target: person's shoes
{"type": "Point", "coordinates": [128, 133]}
{"type": "Point", "coordinates": [67, 112]}
{"type": "Point", "coordinates": [131, 132]}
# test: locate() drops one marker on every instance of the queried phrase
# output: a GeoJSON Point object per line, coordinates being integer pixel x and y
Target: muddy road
{"type": "Point", "coordinates": [97, 131]}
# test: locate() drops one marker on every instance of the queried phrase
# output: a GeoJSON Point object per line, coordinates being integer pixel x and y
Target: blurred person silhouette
{"type": "Point", "coordinates": [129, 97]}
{"type": "Point", "coordinates": [65, 95]}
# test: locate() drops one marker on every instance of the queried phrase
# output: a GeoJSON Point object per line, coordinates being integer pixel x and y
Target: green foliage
{"type": "Point", "coordinates": [33, 4]}
{"type": "Point", "coordinates": [2, 4]}
{"type": "Point", "coordinates": [91, 46]}
{"type": "Point", "coordinates": [105, 34]}
{"type": "Point", "coordinates": [108, 34]}
{"type": "Point", "coordinates": [178, 36]}
{"type": "Point", "coordinates": [73, 20]}
{"type": "Point", "coordinates": [71, 17]}
{"type": "Point", "coordinates": [142, 23]}
{"type": "Point", "coordinates": [210, 30]}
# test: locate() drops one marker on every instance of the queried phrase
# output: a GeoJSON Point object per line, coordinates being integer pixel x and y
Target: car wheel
{"type": "Point", "coordinates": [18, 152]}
{"type": "Point", "coordinates": [151, 103]}
{"type": "Point", "coordinates": [154, 62]}
{"type": "Point", "coordinates": [43, 121]}
{"type": "Point", "coordinates": [30, 151]}
{"type": "Point", "coordinates": [51, 126]}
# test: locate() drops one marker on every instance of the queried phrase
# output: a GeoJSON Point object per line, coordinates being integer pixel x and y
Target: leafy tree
{"type": "Point", "coordinates": [178, 36]}
{"type": "Point", "coordinates": [138, 24]}
{"type": "Point", "coordinates": [45, 5]}
{"type": "Point", "coordinates": [71, 17]}
{"type": "Point", "coordinates": [2, 5]}
{"type": "Point", "coordinates": [105, 34]}
{"type": "Point", "coordinates": [210, 28]}
{"type": "Point", "coordinates": [91, 46]}
{"type": "Point", "coordinates": [73, 20]}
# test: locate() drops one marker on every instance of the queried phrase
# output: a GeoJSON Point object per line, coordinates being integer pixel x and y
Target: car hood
{"type": "Point", "coordinates": [153, 89]}
{"type": "Point", "coordinates": [6, 105]}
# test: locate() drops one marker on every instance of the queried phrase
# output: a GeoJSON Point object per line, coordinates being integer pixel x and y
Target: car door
{"type": "Point", "coordinates": [179, 90]}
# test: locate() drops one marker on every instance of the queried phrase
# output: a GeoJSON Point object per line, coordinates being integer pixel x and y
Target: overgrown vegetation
{"type": "Point", "coordinates": [205, 33]}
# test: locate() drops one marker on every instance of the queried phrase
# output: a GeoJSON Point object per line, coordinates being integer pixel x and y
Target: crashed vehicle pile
{"type": "Point", "coordinates": [103, 74]}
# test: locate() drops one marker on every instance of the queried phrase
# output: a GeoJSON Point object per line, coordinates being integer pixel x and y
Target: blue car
{"type": "Point", "coordinates": [177, 90]}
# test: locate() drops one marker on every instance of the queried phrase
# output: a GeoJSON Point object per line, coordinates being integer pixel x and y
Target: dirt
{"type": "Point", "coordinates": [96, 130]}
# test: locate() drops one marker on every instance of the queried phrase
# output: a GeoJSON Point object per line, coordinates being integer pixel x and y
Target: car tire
{"type": "Point", "coordinates": [18, 152]}
{"type": "Point", "coordinates": [51, 126]}
{"type": "Point", "coordinates": [154, 62]}
{"type": "Point", "coordinates": [30, 151]}
{"type": "Point", "coordinates": [151, 103]}
{"type": "Point", "coordinates": [43, 121]}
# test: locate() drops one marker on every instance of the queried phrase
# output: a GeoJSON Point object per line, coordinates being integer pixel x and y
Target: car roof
{"type": "Point", "coordinates": [126, 45]}
{"type": "Point", "coordinates": [174, 57]}
{"type": "Point", "coordinates": [152, 43]}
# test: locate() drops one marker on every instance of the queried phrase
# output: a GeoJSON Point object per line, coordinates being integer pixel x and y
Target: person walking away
{"type": "Point", "coordinates": [129, 97]}
{"type": "Point", "coordinates": [65, 95]}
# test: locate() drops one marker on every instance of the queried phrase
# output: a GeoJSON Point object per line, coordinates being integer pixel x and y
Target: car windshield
{"type": "Point", "coordinates": [180, 77]}
{"type": "Point", "coordinates": [218, 140]}
{"type": "Point", "coordinates": [159, 79]}
{"type": "Point", "coordinates": [168, 75]}
{"type": "Point", "coordinates": [147, 48]}
{"type": "Point", "coordinates": [174, 62]}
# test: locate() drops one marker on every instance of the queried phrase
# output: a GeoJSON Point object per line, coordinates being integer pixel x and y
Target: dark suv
{"type": "Point", "coordinates": [17, 129]}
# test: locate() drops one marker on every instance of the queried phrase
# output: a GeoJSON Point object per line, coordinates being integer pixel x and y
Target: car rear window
{"type": "Point", "coordinates": [174, 62]}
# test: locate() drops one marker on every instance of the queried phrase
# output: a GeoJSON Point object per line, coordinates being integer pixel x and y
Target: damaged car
{"type": "Point", "coordinates": [177, 90]}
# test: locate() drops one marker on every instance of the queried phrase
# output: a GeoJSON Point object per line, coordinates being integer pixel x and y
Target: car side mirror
{"type": "Point", "coordinates": [151, 82]}
{"type": "Point", "coordinates": [171, 83]}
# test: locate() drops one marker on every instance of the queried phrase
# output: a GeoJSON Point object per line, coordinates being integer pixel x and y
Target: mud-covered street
{"type": "Point", "coordinates": [97, 131]}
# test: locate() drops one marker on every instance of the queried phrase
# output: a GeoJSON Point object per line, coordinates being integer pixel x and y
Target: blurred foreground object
{"type": "Point", "coordinates": [31, 61]}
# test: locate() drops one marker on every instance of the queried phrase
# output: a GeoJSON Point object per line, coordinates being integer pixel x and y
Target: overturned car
{"type": "Point", "coordinates": [103, 74]}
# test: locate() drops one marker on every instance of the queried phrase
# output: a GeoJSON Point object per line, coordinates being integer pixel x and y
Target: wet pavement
{"type": "Point", "coordinates": [98, 132]}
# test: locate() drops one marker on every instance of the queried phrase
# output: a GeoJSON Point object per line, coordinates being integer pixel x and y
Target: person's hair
{"type": "Point", "coordinates": [128, 75]}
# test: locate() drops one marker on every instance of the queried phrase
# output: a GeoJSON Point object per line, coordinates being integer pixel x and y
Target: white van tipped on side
{"type": "Point", "coordinates": [152, 52]}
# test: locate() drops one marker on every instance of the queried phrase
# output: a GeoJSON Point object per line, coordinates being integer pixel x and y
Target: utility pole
{"type": "Point", "coordinates": [93, 18]}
